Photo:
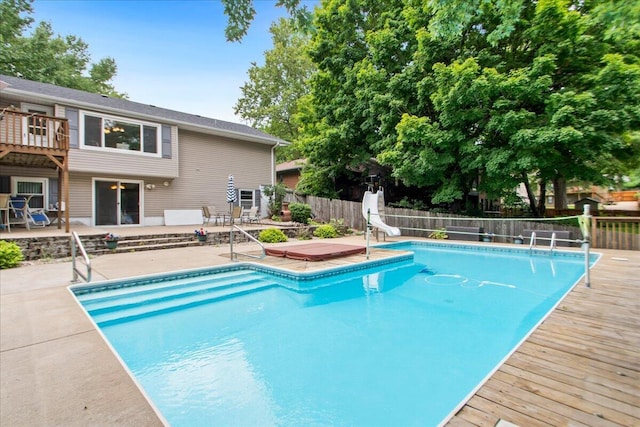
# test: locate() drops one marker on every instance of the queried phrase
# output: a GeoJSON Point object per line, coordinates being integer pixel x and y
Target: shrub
{"type": "Point", "coordinates": [275, 194]}
{"type": "Point", "coordinates": [300, 212]}
{"type": "Point", "coordinates": [440, 234]}
{"type": "Point", "coordinates": [304, 234]}
{"type": "Point", "coordinates": [326, 231]}
{"type": "Point", "coordinates": [10, 254]}
{"type": "Point", "coordinates": [341, 228]}
{"type": "Point", "coordinates": [272, 235]}
{"type": "Point", "coordinates": [409, 204]}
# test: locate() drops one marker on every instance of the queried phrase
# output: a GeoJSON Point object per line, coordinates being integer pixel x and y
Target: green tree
{"type": "Point", "coordinates": [359, 47]}
{"type": "Point", "coordinates": [240, 14]}
{"type": "Point", "coordinates": [270, 98]}
{"type": "Point", "coordinates": [42, 56]}
{"type": "Point", "coordinates": [488, 93]}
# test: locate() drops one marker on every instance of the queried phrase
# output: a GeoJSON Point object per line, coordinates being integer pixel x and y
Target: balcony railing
{"type": "Point", "coordinates": [33, 133]}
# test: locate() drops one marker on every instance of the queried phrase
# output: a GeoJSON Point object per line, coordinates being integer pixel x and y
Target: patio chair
{"type": "Point", "coordinates": [210, 213]}
{"type": "Point", "coordinates": [23, 214]}
{"type": "Point", "coordinates": [252, 215]}
{"type": "Point", "coordinates": [206, 215]}
{"type": "Point", "coordinates": [4, 211]}
{"type": "Point", "coordinates": [218, 214]}
{"type": "Point", "coordinates": [236, 213]}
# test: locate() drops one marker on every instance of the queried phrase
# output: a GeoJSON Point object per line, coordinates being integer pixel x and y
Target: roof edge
{"type": "Point", "coordinates": [186, 125]}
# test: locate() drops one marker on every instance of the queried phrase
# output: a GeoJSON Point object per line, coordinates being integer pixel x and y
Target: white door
{"type": "Point", "coordinates": [36, 129]}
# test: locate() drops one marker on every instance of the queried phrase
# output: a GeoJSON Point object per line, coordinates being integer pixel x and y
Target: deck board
{"type": "Point", "coordinates": [581, 366]}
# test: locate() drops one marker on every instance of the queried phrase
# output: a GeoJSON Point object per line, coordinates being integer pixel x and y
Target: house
{"type": "Point", "coordinates": [288, 173]}
{"type": "Point", "coordinates": [111, 161]}
{"type": "Point", "coordinates": [609, 199]}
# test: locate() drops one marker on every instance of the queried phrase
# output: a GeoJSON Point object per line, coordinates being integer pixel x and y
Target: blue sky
{"type": "Point", "coordinates": [171, 54]}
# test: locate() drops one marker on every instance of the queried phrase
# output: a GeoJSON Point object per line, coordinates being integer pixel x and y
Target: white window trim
{"type": "Point", "coordinates": [158, 126]}
{"type": "Point", "coordinates": [43, 181]}
{"type": "Point", "coordinates": [253, 195]}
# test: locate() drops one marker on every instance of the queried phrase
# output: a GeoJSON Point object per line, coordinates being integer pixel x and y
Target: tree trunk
{"type": "Point", "coordinates": [532, 197]}
{"type": "Point", "coordinates": [542, 201]}
{"type": "Point", "coordinates": [559, 193]}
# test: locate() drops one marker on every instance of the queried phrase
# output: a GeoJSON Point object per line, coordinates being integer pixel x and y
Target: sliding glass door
{"type": "Point", "coordinates": [117, 202]}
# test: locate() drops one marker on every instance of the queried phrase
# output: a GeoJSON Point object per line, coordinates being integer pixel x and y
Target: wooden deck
{"type": "Point", "coordinates": [581, 366]}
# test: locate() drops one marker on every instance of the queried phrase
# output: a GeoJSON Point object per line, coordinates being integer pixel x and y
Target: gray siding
{"type": "Point", "coordinates": [103, 162]}
{"type": "Point", "coordinates": [80, 196]}
{"type": "Point", "coordinates": [205, 164]}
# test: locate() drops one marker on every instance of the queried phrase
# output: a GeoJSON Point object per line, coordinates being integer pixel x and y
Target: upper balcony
{"type": "Point", "coordinates": [33, 140]}
{"type": "Point", "coordinates": [37, 141]}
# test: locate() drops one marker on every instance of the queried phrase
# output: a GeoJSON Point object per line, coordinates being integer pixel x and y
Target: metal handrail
{"type": "Point", "coordinates": [532, 243]}
{"type": "Point", "coordinates": [76, 243]}
{"type": "Point", "coordinates": [552, 245]}
{"type": "Point", "coordinates": [250, 237]}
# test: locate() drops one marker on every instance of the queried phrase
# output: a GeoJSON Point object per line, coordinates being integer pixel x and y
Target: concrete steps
{"type": "Point", "coordinates": [150, 243]}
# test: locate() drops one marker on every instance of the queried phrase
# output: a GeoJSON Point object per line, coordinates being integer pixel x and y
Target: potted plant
{"type": "Point", "coordinates": [518, 240]}
{"type": "Point", "coordinates": [488, 237]}
{"type": "Point", "coordinates": [201, 235]}
{"type": "Point", "coordinates": [111, 240]}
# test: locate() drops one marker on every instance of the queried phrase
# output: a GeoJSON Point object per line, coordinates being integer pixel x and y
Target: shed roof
{"type": "Point", "coordinates": [291, 165]}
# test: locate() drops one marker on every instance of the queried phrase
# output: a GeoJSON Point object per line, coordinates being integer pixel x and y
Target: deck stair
{"type": "Point", "coordinates": [126, 303]}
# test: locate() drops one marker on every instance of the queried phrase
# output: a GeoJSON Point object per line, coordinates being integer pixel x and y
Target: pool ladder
{"type": "Point", "coordinates": [234, 255]}
{"type": "Point", "coordinates": [552, 244]}
{"type": "Point", "coordinates": [75, 244]}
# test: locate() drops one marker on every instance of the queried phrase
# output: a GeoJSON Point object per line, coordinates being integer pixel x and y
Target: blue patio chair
{"type": "Point", "coordinates": [23, 214]}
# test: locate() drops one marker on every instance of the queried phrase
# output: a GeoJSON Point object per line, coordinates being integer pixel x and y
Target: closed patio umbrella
{"type": "Point", "coordinates": [231, 196]}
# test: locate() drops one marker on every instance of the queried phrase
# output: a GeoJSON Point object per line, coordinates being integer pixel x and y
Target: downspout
{"type": "Point", "coordinates": [273, 163]}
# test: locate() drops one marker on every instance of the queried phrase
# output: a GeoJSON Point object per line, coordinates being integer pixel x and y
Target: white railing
{"type": "Point", "coordinates": [234, 255]}
{"type": "Point", "coordinates": [75, 244]}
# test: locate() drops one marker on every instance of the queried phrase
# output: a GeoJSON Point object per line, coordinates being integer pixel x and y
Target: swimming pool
{"type": "Point", "coordinates": [399, 342]}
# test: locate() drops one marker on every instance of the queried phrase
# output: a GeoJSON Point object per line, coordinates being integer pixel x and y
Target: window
{"type": "Point", "coordinates": [246, 199]}
{"type": "Point", "coordinates": [36, 188]}
{"type": "Point", "coordinates": [120, 134]}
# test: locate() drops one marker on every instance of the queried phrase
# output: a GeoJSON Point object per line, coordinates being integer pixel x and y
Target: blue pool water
{"type": "Point", "coordinates": [397, 343]}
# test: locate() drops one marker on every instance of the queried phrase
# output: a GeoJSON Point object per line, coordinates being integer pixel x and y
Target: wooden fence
{"type": "Point", "coordinates": [616, 233]}
{"type": "Point", "coordinates": [607, 232]}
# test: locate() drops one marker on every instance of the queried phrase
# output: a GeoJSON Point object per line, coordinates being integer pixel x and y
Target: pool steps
{"type": "Point", "coordinates": [120, 302]}
{"type": "Point", "coordinates": [118, 305]}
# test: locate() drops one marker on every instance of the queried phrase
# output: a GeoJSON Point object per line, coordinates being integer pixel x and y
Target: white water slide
{"type": "Point", "coordinates": [370, 207]}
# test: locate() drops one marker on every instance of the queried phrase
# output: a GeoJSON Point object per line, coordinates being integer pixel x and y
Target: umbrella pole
{"type": "Point", "coordinates": [231, 231]}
